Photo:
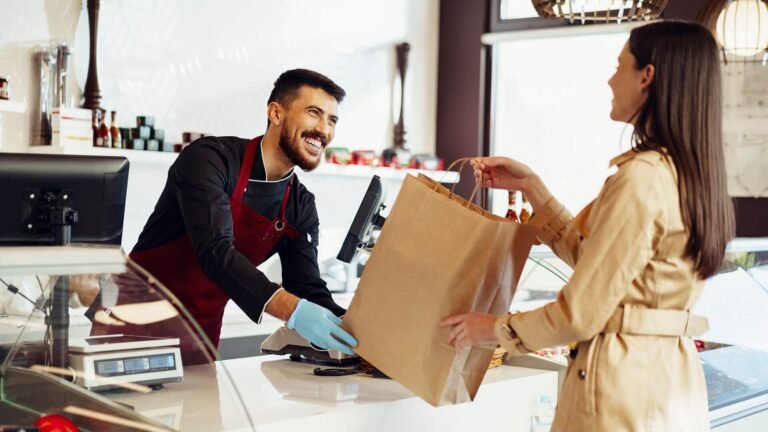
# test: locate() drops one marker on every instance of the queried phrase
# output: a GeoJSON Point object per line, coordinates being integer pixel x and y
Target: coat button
{"type": "Point", "coordinates": [582, 374]}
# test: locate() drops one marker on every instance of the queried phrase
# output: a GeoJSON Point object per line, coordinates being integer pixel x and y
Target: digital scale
{"type": "Point", "coordinates": [105, 362]}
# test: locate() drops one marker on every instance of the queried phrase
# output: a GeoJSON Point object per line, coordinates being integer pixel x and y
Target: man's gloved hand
{"type": "Point", "coordinates": [321, 327]}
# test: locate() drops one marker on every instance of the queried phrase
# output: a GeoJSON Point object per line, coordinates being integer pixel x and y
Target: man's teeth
{"type": "Point", "coordinates": [313, 142]}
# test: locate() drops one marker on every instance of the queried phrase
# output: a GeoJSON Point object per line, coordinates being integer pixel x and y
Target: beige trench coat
{"type": "Point", "coordinates": [637, 368]}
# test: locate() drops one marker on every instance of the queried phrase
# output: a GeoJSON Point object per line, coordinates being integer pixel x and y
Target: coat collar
{"type": "Point", "coordinates": [632, 153]}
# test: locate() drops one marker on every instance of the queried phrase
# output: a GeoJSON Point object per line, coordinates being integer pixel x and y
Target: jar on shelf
{"type": "Point", "coordinates": [5, 87]}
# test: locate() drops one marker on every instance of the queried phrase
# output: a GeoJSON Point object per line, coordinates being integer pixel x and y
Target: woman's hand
{"type": "Point", "coordinates": [471, 329]}
{"type": "Point", "coordinates": [505, 173]}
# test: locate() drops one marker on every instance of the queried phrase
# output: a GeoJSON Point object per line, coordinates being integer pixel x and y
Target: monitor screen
{"type": "Point", "coordinates": [34, 185]}
{"type": "Point", "coordinates": [366, 219]}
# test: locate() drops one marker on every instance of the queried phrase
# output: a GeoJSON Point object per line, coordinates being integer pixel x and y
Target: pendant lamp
{"type": "Point", "coordinates": [604, 11]}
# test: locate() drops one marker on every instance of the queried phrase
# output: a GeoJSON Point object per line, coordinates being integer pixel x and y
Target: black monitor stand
{"type": "Point", "coordinates": [61, 219]}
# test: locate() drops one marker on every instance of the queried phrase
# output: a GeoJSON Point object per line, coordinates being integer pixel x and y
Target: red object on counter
{"type": "Point", "coordinates": [391, 163]}
{"type": "Point", "coordinates": [56, 423]}
{"type": "Point", "coordinates": [338, 155]}
{"type": "Point", "coordinates": [426, 162]}
{"type": "Point", "coordinates": [364, 157]}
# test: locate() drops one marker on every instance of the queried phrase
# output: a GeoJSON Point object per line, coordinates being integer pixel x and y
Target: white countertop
{"type": "Point", "coordinates": [280, 395]}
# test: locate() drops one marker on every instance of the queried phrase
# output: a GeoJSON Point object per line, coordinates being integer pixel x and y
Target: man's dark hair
{"type": "Point", "coordinates": [289, 82]}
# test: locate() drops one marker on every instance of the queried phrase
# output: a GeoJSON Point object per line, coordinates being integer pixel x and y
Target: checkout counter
{"type": "Point", "coordinates": [258, 393]}
{"type": "Point", "coordinates": [281, 395]}
{"type": "Point", "coordinates": [267, 392]}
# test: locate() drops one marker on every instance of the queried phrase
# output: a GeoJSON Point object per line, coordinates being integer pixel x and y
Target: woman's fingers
{"type": "Point", "coordinates": [459, 330]}
{"type": "Point", "coordinates": [455, 332]}
{"type": "Point", "coordinates": [462, 342]}
{"type": "Point", "coordinates": [452, 320]}
{"type": "Point", "coordinates": [460, 335]}
{"type": "Point", "coordinates": [452, 335]}
{"type": "Point", "coordinates": [485, 178]}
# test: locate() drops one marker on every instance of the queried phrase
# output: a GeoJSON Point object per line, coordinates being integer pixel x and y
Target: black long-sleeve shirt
{"type": "Point", "coordinates": [195, 201]}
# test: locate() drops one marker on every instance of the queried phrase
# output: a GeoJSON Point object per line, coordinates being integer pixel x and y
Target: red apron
{"type": "Point", "coordinates": [175, 264]}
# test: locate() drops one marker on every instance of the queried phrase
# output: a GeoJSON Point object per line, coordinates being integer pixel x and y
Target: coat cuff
{"type": "Point", "coordinates": [550, 219]}
{"type": "Point", "coordinates": [508, 337]}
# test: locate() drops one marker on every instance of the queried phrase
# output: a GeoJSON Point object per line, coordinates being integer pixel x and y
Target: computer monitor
{"type": "Point", "coordinates": [55, 199]}
{"type": "Point", "coordinates": [37, 190]}
{"type": "Point", "coordinates": [366, 219]}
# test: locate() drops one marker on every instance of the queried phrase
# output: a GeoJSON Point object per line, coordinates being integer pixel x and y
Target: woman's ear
{"type": "Point", "coordinates": [274, 113]}
{"type": "Point", "coordinates": [647, 77]}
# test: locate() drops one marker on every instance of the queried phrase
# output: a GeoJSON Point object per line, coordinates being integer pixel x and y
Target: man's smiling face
{"type": "Point", "coordinates": [309, 126]}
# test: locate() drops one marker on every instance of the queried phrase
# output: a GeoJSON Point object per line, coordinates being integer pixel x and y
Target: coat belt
{"type": "Point", "coordinates": [656, 322]}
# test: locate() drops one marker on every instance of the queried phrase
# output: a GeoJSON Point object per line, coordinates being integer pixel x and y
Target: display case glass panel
{"type": "Point", "coordinates": [83, 328]}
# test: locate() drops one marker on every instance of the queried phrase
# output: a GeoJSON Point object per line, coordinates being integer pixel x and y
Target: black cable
{"type": "Point", "coordinates": [335, 371]}
{"type": "Point", "coordinates": [15, 290]}
{"type": "Point", "coordinates": [48, 354]}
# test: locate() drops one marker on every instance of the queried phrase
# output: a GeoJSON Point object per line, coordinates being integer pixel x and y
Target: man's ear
{"type": "Point", "coordinates": [275, 113]}
{"type": "Point", "coordinates": [648, 75]}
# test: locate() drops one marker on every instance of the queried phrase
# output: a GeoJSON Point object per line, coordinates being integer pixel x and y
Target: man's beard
{"type": "Point", "coordinates": [292, 150]}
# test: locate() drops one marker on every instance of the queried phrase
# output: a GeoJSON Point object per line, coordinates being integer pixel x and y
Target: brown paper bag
{"type": "Point", "coordinates": [438, 255]}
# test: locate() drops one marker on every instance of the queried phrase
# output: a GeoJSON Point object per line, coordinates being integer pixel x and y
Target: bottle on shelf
{"type": "Point", "coordinates": [511, 213]}
{"type": "Point", "coordinates": [103, 139]}
{"type": "Point", "coordinates": [95, 127]}
{"type": "Point", "coordinates": [525, 212]}
{"type": "Point", "coordinates": [114, 133]}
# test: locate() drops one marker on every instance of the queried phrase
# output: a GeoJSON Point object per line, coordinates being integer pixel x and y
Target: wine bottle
{"type": "Point", "coordinates": [525, 213]}
{"type": "Point", "coordinates": [95, 127]}
{"type": "Point", "coordinates": [114, 133]}
{"type": "Point", "coordinates": [511, 213]}
{"type": "Point", "coordinates": [103, 139]}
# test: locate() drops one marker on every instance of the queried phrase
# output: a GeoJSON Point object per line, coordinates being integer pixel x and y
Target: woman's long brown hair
{"type": "Point", "coordinates": [683, 113]}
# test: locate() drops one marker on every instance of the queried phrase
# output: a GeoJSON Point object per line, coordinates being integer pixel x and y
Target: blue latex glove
{"type": "Point", "coordinates": [321, 327]}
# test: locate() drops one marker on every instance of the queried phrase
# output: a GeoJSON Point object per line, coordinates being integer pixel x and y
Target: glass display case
{"type": "Point", "coordinates": [542, 278]}
{"type": "Point", "coordinates": [83, 328]}
{"type": "Point", "coordinates": [734, 352]}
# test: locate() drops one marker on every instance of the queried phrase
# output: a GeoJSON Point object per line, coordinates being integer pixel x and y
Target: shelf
{"type": "Point", "coordinates": [134, 156]}
{"type": "Point", "coordinates": [325, 169]}
{"type": "Point", "coordinates": [12, 106]}
{"type": "Point", "coordinates": [383, 172]}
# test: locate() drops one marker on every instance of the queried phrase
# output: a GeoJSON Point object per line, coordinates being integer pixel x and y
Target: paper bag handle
{"type": "Point", "coordinates": [463, 162]}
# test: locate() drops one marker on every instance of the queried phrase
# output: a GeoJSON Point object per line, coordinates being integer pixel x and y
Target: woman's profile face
{"type": "Point", "coordinates": [629, 86]}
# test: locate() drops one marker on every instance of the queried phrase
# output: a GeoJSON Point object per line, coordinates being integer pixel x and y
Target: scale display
{"type": "Point", "coordinates": [135, 365]}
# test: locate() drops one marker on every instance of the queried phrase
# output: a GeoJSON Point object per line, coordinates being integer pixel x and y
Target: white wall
{"type": "Point", "coordinates": [208, 66]}
{"type": "Point", "coordinates": [26, 25]}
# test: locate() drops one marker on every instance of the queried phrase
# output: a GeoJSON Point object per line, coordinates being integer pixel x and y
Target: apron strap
{"type": "Point", "coordinates": [635, 320]}
{"type": "Point", "coordinates": [245, 168]}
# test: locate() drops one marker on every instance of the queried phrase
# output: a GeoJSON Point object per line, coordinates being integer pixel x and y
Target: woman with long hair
{"type": "Point", "coordinates": [640, 251]}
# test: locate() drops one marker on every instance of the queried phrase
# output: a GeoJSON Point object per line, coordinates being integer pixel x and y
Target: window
{"type": "Point", "coordinates": [551, 105]}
